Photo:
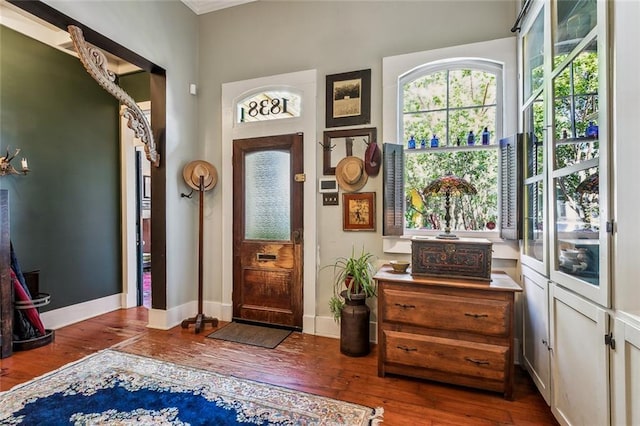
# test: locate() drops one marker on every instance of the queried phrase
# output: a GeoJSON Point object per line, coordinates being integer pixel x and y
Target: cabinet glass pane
{"type": "Point", "coordinates": [533, 49]}
{"type": "Point", "coordinates": [534, 142]}
{"type": "Point", "coordinates": [267, 196]}
{"type": "Point", "coordinates": [534, 222]}
{"type": "Point", "coordinates": [574, 20]}
{"type": "Point", "coordinates": [578, 224]}
{"type": "Point", "coordinates": [575, 92]}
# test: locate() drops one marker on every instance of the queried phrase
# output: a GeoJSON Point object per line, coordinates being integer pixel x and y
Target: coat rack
{"type": "Point", "coordinates": [202, 176]}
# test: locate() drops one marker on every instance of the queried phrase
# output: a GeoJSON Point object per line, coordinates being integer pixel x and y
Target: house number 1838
{"type": "Point", "coordinates": [265, 108]}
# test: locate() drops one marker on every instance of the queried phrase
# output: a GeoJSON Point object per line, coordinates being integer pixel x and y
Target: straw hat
{"type": "Point", "coordinates": [192, 172]}
{"type": "Point", "coordinates": [372, 157]}
{"type": "Point", "coordinates": [350, 174]}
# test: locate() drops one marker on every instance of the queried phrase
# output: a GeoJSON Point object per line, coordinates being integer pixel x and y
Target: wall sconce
{"type": "Point", "coordinates": [7, 169]}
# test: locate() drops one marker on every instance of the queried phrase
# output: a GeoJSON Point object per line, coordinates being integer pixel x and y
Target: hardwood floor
{"type": "Point", "coordinates": [303, 362]}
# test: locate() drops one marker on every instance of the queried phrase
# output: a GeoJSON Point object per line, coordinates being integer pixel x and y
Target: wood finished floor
{"type": "Point", "coordinates": [303, 362]}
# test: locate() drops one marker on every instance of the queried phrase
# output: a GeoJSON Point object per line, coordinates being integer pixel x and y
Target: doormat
{"type": "Point", "coordinates": [255, 335]}
{"type": "Point", "coordinates": [115, 388]}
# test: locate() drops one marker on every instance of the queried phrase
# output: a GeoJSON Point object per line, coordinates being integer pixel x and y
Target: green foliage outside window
{"type": "Point", "coordinates": [449, 104]}
{"type": "Point", "coordinates": [468, 212]}
{"type": "Point", "coordinates": [576, 106]}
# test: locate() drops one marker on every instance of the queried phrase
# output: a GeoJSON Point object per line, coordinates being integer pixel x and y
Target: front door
{"type": "Point", "coordinates": [267, 230]}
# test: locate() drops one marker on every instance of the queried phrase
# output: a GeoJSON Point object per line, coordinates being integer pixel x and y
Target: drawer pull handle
{"type": "Point", "coordinates": [467, 314]}
{"type": "Point", "coordinates": [477, 361]}
{"type": "Point", "coordinates": [404, 306]}
{"type": "Point", "coordinates": [406, 349]}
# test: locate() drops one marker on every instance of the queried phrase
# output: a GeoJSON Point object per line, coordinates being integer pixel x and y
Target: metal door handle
{"type": "Point", "coordinates": [404, 306]}
{"type": "Point", "coordinates": [467, 314]}
{"type": "Point", "coordinates": [477, 361]}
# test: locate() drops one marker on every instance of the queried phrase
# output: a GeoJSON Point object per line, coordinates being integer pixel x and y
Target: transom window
{"type": "Point", "coordinates": [268, 105]}
{"type": "Point", "coordinates": [450, 122]}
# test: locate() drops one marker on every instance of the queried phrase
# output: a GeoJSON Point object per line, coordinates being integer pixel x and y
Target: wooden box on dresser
{"type": "Point", "coordinates": [450, 330]}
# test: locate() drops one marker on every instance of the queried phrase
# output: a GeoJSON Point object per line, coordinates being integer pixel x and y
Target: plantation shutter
{"type": "Point", "coordinates": [393, 189]}
{"type": "Point", "coordinates": [511, 187]}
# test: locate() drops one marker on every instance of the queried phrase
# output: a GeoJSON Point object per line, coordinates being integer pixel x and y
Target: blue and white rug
{"type": "Point", "coordinates": [115, 388]}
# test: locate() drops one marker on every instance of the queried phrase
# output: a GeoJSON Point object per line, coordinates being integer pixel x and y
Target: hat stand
{"type": "Point", "coordinates": [200, 320]}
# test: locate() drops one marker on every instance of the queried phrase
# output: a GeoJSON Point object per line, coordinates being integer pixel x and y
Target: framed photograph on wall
{"type": "Point", "coordinates": [349, 98]}
{"type": "Point", "coordinates": [338, 144]}
{"type": "Point", "coordinates": [359, 211]}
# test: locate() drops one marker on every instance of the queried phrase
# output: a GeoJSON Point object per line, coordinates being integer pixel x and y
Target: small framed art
{"type": "Point", "coordinates": [359, 211]}
{"type": "Point", "coordinates": [349, 98]}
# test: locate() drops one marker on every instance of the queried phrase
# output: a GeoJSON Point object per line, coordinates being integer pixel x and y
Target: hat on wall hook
{"type": "Point", "coordinates": [372, 158]}
{"type": "Point", "coordinates": [200, 175]}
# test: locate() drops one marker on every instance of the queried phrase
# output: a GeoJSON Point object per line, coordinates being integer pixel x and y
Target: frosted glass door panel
{"type": "Point", "coordinates": [267, 196]}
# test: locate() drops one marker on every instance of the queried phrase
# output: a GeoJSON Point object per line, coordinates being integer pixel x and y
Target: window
{"type": "Point", "coordinates": [268, 105]}
{"type": "Point", "coordinates": [441, 98]}
{"type": "Point", "coordinates": [453, 109]}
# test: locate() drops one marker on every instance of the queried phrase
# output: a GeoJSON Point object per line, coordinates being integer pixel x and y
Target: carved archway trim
{"type": "Point", "coordinates": [95, 62]}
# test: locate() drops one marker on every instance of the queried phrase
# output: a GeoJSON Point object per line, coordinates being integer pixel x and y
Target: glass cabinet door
{"type": "Point", "coordinates": [533, 205]}
{"type": "Point", "coordinates": [579, 206]}
{"type": "Point", "coordinates": [533, 112]}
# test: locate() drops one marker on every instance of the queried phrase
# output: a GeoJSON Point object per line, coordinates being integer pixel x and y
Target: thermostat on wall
{"type": "Point", "coordinates": [327, 185]}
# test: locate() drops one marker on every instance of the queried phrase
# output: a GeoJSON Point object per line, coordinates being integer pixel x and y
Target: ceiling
{"type": "Point", "coordinates": [205, 6]}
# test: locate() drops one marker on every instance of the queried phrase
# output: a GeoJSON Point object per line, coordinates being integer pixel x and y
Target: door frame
{"type": "Point", "coordinates": [128, 147]}
{"type": "Point", "coordinates": [305, 84]}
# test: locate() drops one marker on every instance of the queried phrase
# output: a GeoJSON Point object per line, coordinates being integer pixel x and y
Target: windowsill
{"type": "Point", "coordinates": [502, 249]}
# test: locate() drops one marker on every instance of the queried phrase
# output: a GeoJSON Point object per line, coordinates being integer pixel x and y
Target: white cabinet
{"type": "Point", "coordinates": [579, 360]}
{"type": "Point", "coordinates": [626, 370]}
{"type": "Point", "coordinates": [535, 344]}
{"type": "Point", "coordinates": [579, 93]}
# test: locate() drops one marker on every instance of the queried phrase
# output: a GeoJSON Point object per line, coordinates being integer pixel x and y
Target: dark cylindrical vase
{"type": "Point", "coordinates": [354, 326]}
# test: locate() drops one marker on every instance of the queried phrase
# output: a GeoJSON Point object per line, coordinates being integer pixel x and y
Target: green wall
{"type": "Point", "coordinates": [65, 215]}
{"type": "Point", "coordinates": [137, 85]}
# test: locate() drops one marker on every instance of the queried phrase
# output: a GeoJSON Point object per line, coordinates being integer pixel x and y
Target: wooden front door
{"type": "Point", "coordinates": [267, 230]}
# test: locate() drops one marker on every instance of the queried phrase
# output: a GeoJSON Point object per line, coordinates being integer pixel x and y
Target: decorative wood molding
{"type": "Point", "coordinates": [95, 62]}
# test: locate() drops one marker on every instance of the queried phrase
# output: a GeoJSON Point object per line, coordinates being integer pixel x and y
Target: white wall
{"type": "Point", "coordinates": [268, 38]}
{"type": "Point", "coordinates": [626, 152]}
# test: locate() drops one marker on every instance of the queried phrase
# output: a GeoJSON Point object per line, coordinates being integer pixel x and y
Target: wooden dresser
{"type": "Point", "coordinates": [450, 330]}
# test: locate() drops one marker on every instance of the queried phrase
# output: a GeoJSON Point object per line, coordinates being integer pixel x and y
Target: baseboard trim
{"type": "Point", "coordinates": [58, 318]}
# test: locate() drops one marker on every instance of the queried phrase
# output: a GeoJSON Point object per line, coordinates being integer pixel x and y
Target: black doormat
{"type": "Point", "coordinates": [249, 334]}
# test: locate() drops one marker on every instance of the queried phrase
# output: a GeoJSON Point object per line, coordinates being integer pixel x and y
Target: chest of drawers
{"type": "Point", "coordinates": [449, 330]}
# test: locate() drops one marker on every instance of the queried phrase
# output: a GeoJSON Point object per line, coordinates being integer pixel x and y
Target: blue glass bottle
{"type": "Point", "coordinates": [434, 142]}
{"type": "Point", "coordinates": [592, 130]}
{"type": "Point", "coordinates": [485, 136]}
{"type": "Point", "coordinates": [423, 143]}
{"type": "Point", "coordinates": [412, 143]}
{"type": "Point", "coordinates": [471, 139]}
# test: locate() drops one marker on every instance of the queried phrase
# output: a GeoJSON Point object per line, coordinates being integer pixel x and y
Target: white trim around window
{"type": "Point", "coordinates": [501, 51]}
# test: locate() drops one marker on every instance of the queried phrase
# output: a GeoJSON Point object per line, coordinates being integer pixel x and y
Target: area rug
{"type": "Point", "coordinates": [249, 334]}
{"type": "Point", "coordinates": [115, 388]}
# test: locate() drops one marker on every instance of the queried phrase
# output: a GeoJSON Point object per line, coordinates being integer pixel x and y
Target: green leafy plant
{"type": "Point", "coordinates": [352, 275]}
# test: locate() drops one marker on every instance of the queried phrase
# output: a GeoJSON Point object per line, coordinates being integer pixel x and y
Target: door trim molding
{"type": "Point", "coordinates": [306, 83]}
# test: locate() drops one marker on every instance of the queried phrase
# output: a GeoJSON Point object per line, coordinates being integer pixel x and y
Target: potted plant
{"type": "Point", "coordinates": [353, 284]}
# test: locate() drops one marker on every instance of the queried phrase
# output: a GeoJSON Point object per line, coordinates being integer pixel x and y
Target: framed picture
{"type": "Point", "coordinates": [338, 144]}
{"type": "Point", "coordinates": [359, 211]}
{"type": "Point", "coordinates": [146, 187]}
{"type": "Point", "coordinates": [349, 98]}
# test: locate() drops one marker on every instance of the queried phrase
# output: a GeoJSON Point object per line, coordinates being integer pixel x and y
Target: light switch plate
{"type": "Point", "coordinates": [329, 198]}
